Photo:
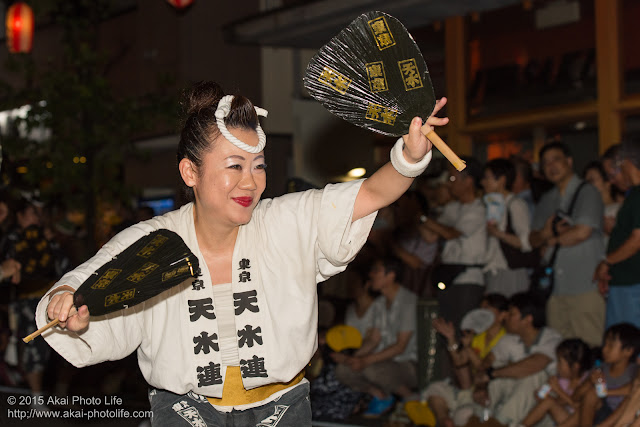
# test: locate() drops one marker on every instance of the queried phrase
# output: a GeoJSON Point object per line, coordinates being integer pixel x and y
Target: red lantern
{"type": "Point", "coordinates": [19, 27]}
{"type": "Point", "coordinates": [180, 4]}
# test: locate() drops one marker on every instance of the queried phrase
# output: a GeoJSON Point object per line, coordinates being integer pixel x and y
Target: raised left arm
{"type": "Point", "coordinates": [386, 185]}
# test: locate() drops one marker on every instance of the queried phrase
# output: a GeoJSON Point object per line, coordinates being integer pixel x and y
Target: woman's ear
{"type": "Point", "coordinates": [188, 172]}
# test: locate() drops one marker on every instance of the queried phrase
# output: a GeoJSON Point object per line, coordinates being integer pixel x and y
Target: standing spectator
{"type": "Point", "coordinates": [595, 174]}
{"type": "Point", "coordinates": [619, 273]}
{"type": "Point", "coordinates": [611, 161]}
{"type": "Point", "coordinates": [575, 308]}
{"type": "Point", "coordinates": [9, 268]}
{"type": "Point", "coordinates": [522, 183]}
{"type": "Point", "coordinates": [412, 244]}
{"type": "Point", "coordinates": [390, 367]}
{"type": "Point", "coordinates": [508, 246]}
{"type": "Point", "coordinates": [463, 228]}
{"type": "Point", "coordinates": [28, 245]}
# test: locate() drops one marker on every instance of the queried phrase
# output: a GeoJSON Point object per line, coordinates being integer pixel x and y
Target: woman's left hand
{"type": "Point", "coordinates": [416, 144]}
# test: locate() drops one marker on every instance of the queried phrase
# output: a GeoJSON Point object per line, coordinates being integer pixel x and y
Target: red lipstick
{"type": "Point", "coordinates": [243, 201]}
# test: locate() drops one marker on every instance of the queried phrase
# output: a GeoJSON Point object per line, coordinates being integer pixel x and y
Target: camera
{"type": "Point", "coordinates": [560, 216]}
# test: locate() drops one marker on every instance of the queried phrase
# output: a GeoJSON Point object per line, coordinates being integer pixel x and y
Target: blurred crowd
{"type": "Point", "coordinates": [536, 274]}
{"type": "Point", "coordinates": [39, 243]}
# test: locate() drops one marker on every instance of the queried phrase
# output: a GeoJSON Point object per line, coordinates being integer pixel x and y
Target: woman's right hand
{"type": "Point", "coordinates": [61, 307]}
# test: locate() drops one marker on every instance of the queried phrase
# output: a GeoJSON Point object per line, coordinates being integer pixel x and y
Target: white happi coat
{"type": "Point", "coordinates": [291, 243]}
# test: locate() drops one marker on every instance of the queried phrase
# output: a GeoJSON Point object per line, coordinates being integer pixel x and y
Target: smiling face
{"type": "Point", "coordinates": [230, 181]}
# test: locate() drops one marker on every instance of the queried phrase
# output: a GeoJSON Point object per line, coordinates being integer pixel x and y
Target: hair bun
{"type": "Point", "coordinates": [203, 95]}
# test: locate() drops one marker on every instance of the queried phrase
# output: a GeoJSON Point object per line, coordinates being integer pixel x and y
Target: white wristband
{"type": "Point", "coordinates": [404, 168]}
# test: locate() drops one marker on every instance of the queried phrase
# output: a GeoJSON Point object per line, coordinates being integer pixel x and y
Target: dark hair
{"type": "Point", "coordinates": [392, 264]}
{"type": "Point", "coordinates": [200, 129]}
{"type": "Point", "coordinates": [631, 151]}
{"type": "Point", "coordinates": [628, 334]}
{"type": "Point", "coordinates": [500, 168]}
{"type": "Point", "coordinates": [596, 165]}
{"type": "Point", "coordinates": [497, 301]}
{"type": "Point", "coordinates": [612, 153]}
{"type": "Point", "coordinates": [21, 205]}
{"type": "Point", "coordinates": [574, 350]}
{"type": "Point", "coordinates": [523, 168]}
{"type": "Point", "coordinates": [473, 169]}
{"type": "Point", "coordinates": [555, 145]}
{"type": "Point", "coordinates": [530, 304]}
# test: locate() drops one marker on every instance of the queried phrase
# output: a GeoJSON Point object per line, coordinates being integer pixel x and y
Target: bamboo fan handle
{"type": "Point", "coordinates": [456, 161]}
{"type": "Point", "coordinates": [41, 330]}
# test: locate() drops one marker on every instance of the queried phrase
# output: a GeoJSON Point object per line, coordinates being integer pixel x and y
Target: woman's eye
{"type": "Point", "coordinates": [236, 167]}
{"type": "Point", "coordinates": [261, 166]}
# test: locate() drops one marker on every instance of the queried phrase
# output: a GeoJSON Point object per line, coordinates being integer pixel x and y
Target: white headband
{"type": "Point", "coordinates": [224, 107]}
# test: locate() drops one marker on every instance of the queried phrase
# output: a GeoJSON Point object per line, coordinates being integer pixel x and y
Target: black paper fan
{"type": "Point", "coordinates": [151, 265]}
{"type": "Point", "coordinates": [373, 75]}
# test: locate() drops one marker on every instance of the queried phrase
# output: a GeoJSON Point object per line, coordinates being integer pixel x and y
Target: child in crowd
{"type": "Point", "coordinates": [621, 347]}
{"type": "Point", "coordinates": [555, 397]}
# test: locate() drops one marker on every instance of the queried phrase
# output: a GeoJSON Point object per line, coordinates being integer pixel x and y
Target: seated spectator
{"type": "Point", "coordinates": [509, 253]}
{"type": "Point", "coordinates": [627, 414]}
{"type": "Point", "coordinates": [330, 400]}
{"type": "Point", "coordinates": [555, 397]}
{"type": "Point", "coordinates": [621, 347]}
{"type": "Point", "coordinates": [513, 386]}
{"type": "Point", "coordinates": [473, 354]}
{"type": "Point", "coordinates": [362, 313]}
{"type": "Point", "coordinates": [386, 366]}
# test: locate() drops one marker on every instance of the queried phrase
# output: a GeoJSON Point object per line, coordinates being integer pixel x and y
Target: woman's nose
{"type": "Point", "coordinates": [248, 182]}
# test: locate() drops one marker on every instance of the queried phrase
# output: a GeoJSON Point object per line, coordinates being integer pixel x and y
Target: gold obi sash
{"type": "Point", "coordinates": [234, 393]}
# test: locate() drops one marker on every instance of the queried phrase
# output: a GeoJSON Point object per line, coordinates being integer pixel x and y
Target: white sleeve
{"type": "Point", "coordinates": [109, 337]}
{"type": "Point", "coordinates": [339, 239]}
{"type": "Point", "coordinates": [548, 343]}
{"type": "Point", "coordinates": [507, 350]}
{"type": "Point", "coordinates": [471, 246]}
